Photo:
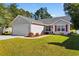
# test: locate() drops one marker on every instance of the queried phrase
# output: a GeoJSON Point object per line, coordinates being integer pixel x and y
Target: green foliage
{"type": "Point", "coordinates": [23, 13]}
{"type": "Point", "coordinates": [13, 9]}
{"type": "Point", "coordinates": [9, 12]}
{"type": "Point", "coordinates": [42, 13]}
{"type": "Point", "coordinates": [2, 21]}
{"type": "Point", "coordinates": [72, 42]}
{"type": "Point", "coordinates": [72, 9]}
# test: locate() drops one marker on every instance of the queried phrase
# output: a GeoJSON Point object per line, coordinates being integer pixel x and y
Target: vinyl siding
{"type": "Point", "coordinates": [37, 28]}
{"type": "Point", "coordinates": [61, 23]}
{"type": "Point", "coordinates": [20, 27]}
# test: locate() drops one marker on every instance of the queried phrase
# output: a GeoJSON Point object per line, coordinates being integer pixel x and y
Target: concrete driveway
{"type": "Point", "coordinates": [4, 37]}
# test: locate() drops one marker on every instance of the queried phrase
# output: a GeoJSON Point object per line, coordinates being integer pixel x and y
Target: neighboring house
{"type": "Point", "coordinates": [23, 25]}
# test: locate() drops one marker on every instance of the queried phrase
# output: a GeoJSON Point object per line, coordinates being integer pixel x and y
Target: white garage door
{"type": "Point", "coordinates": [22, 29]}
{"type": "Point", "coordinates": [36, 28]}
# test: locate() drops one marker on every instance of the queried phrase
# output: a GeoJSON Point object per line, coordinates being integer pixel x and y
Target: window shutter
{"type": "Point", "coordinates": [66, 28]}
{"type": "Point", "coordinates": [55, 28]}
{"type": "Point", "coordinates": [52, 26]}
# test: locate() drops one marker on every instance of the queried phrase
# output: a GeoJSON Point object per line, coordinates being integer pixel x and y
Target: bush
{"type": "Point", "coordinates": [72, 42]}
{"type": "Point", "coordinates": [31, 34]}
{"type": "Point", "coordinates": [42, 34]}
{"type": "Point", "coordinates": [37, 34]}
{"type": "Point", "coordinates": [71, 33]}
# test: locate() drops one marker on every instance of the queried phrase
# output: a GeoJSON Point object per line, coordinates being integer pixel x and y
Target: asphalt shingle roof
{"type": "Point", "coordinates": [47, 21]}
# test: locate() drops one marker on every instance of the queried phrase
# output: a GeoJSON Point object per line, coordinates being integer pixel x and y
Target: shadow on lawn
{"type": "Point", "coordinates": [71, 43]}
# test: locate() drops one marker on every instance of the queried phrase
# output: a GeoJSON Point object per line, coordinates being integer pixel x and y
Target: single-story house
{"type": "Point", "coordinates": [23, 25]}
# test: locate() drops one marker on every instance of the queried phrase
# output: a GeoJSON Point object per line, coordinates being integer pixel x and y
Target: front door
{"type": "Point", "coordinates": [48, 30]}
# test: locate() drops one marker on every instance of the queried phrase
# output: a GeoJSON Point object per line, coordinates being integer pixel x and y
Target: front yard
{"type": "Point", "coordinates": [46, 46]}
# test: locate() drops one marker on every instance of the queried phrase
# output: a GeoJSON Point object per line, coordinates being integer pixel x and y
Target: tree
{"type": "Point", "coordinates": [2, 21]}
{"type": "Point", "coordinates": [72, 9]}
{"type": "Point", "coordinates": [24, 13]}
{"type": "Point", "coordinates": [5, 14]}
{"type": "Point", "coordinates": [42, 13]}
{"type": "Point", "coordinates": [2, 14]}
{"type": "Point", "coordinates": [11, 11]}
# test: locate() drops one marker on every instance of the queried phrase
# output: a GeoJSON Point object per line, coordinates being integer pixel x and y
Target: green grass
{"type": "Point", "coordinates": [38, 47]}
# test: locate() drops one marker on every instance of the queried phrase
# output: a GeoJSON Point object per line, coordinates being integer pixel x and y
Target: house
{"type": "Point", "coordinates": [58, 25]}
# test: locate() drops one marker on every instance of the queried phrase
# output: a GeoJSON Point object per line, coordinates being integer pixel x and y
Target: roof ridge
{"type": "Point", "coordinates": [45, 21]}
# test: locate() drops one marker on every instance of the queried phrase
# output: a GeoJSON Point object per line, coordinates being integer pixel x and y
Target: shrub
{"type": "Point", "coordinates": [42, 34]}
{"type": "Point", "coordinates": [37, 34]}
{"type": "Point", "coordinates": [31, 34]}
{"type": "Point", "coordinates": [73, 31]}
{"type": "Point", "coordinates": [61, 33]}
{"type": "Point", "coordinates": [72, 42]}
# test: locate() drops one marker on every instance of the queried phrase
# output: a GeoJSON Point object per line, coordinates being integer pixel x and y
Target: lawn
{"type": "Point", "coordinates": [52, 45]}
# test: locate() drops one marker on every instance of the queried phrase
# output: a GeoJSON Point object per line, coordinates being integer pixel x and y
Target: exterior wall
{"type": "Point", "coordinates": [37, 28]}
{"type": "Point", "coordinates": [20, 26]}
{"type": "Point", "coordinates": [53, 29]}
{"type": "Point", "coordinates": [61, 23]}
{"type": "Point", "coordinates": [20, 20]}
{"type": "Point", "coordinates": [68, 28]}
{"type": "Point", "coordinates": [22, 29]}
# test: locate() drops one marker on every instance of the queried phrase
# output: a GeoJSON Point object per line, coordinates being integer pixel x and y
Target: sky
{"type": "Point", "coordinates": [55, 9]}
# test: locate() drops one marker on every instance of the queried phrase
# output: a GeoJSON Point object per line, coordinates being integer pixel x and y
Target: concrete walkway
{"type": "Point", "coordinates": [32, 37]}
{"type": "Point", "coordinates": [4, 37]}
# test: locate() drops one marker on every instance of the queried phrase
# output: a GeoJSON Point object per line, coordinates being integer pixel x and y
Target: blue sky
{"type": "Point", "coordinates": [55, 9]}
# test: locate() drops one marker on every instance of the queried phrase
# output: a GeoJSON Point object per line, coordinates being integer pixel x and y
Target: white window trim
{"type": "Point", "coordinates": [61, 26]}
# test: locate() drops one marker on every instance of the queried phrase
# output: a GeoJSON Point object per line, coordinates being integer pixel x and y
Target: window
{"type": "Point", "coordinates": [60, 28]}
{"type": "Point", "coordinates": [48, 28]}
{"type": "Point", "coordinates": [63, 29]}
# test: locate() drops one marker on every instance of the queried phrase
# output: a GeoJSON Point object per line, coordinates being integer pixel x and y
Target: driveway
{"type": "Point", "coordinates": [4, 37]}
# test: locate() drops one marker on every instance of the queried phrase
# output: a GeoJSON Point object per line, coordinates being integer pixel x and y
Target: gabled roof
{"type": "Point", "coordinates": [47, 21]}
{"type": "Point", "coordinates": [55, 19]}
{"type": "Point", "coordinates": [31, 20]}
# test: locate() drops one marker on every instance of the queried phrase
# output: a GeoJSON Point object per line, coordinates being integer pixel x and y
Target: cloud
{"type": "Point", "coordinates": [53, 15]}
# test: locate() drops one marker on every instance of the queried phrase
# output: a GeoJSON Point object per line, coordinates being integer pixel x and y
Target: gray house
{"type": "Point", "coordinates": [58, 25]}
